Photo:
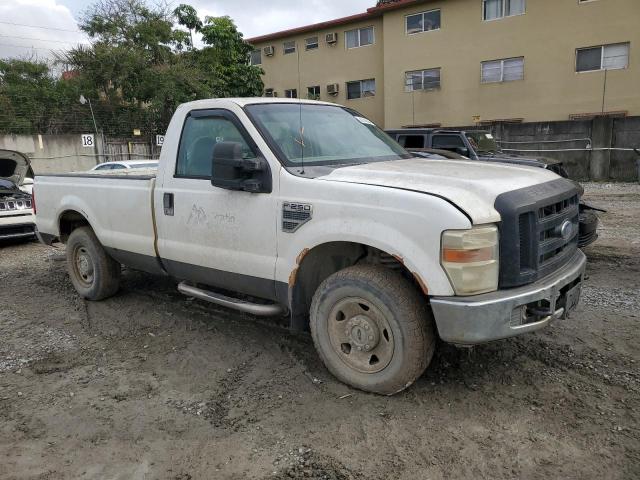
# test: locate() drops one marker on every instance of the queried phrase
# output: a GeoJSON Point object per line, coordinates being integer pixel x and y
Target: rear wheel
{"type": "Point", "coordinates": [94, 274]}
{"type": "Point", "coordinates": [372, 328]}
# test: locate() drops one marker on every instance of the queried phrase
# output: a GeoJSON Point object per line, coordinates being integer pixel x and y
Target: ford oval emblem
{"type": "Point", "coordinates": [566, 230]}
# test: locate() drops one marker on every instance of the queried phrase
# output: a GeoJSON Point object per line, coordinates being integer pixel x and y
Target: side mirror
{"type": "Point", "coordinates": [231, 171]}
{"type": "Point", "coordinates": [462, 151]}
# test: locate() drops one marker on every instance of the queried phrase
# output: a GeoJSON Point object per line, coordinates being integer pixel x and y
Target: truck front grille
{"type": "Point", "coordinates": [538, 232]}
{"type": "Point", "coordinates": [552, 247]}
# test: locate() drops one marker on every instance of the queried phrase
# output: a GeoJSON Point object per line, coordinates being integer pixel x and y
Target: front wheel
{"type": "Point", "coordinates": [94, 274]}
{"type": "Point", "coordinates": [372, 329]}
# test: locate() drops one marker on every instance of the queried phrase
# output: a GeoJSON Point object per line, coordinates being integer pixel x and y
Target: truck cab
{"type": "Point", "coordinates": [375, 252]}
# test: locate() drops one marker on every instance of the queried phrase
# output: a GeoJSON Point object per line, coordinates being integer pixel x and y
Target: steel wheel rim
{"type": "Point", "coordinates": [83, 266]}
{"type": "Point", "coordinates": [361, 335]}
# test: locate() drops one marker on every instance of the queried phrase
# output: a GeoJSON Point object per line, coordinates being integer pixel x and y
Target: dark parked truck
{"type": "Point", "coordinates": [376, 252]}
{"type": "Point", "coordinates": [480, 145]}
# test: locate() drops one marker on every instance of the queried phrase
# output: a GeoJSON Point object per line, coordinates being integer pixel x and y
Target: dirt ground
{"type": "Point", "coordinates": [152, 385]}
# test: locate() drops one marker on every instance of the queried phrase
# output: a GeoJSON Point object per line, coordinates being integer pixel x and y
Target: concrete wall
{"type": "Point", "coordinates": [601, 132]}
{"type": "Point", "coordinates": [65, 153]}
{"type": "Point", "coordinates": [626, 134]}
{"type": "Point", "coordinates": [52, 153]}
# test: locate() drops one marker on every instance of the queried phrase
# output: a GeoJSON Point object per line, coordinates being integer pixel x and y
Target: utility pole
{"type": "Point", "coordinates": [83, 101]}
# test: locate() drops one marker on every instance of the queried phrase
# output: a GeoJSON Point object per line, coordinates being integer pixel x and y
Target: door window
{"type": "Point", "coordinates": [411, 141]}
{"type": "Point", "coordinates": [447, 142]}
{"type": "Point", "coordinates": [199, 135]}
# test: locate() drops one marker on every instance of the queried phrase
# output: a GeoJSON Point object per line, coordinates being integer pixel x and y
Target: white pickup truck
{"type": "Point", "coordinates": [306, 208]}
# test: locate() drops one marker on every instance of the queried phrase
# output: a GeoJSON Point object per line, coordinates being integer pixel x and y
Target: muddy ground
{"type": "Point", "coordinates": [150, 384]}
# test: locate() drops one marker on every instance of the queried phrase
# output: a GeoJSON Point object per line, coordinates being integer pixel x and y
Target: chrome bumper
{"type": "Point", "coordinates": [507, 313]}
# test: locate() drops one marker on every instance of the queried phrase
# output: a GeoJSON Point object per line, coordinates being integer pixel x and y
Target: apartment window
{"type": "Point", "coordinates": [423, 22]}
{"type": "Point", "coordinates": [291, 93]}
{"type": "Point", "coordinates": [359, 37]}
{"type": "Point", "coordinates": [506, 70]}
{"type": "Point", "coordinates": [313, 93]}
{"type": "Point", "coordinates": [311, 43]}
{"type": "Point", "coordinates": [289, 47]}
{"type": "Point", "coordinates": [604, 57]}
{"type": "Point", "coordinates": [422, 79]}
{"type": "Point", "coordinates": [361, 88]}
{"type": "Point", "coordinates": [493, 9]}
{"type": "Point", "coordinates": [256, 57]}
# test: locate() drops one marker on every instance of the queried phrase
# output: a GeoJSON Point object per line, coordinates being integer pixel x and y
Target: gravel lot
{"type": "Point", "coordinates": [150, 384]}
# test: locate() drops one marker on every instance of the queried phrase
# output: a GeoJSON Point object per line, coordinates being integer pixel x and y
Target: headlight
{"type": "Point", "coordinates": [470, 258]}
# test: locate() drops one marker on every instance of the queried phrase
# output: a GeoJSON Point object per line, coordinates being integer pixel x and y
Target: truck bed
{"type": "Point", "coordinates": [117, 204]}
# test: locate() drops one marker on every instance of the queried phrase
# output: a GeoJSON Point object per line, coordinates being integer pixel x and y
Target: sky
{"type": "Point", "coordinates": [19, 36]}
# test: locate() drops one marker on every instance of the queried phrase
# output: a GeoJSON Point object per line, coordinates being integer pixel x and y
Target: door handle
{"type": "Point", "coordinates": [167, 203]}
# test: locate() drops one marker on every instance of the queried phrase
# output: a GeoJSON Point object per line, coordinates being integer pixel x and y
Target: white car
{"type": "Point", "coordinates": [17, 219]}
{"type": "Point", "coordinates": [274, 206]}
{"type": "Point", "coordinates": [125, 165]}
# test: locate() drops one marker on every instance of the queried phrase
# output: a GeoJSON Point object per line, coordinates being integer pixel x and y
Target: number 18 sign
{"type": "Point", "coordinates": [88, 140]}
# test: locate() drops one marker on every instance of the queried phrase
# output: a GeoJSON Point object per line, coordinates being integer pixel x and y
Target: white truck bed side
{"type": "Point", "coordinates": [118, 207]}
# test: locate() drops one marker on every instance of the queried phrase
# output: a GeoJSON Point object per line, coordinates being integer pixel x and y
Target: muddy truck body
{"type": "Point", "coordinates": [375, 252]}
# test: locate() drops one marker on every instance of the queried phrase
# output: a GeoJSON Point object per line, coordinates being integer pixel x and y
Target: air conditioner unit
{"type": "Point", "coordinates": [332, 38]}
{"type": "Point", "coordinates": [269, 51]}
{"type": "Point", "coordinates": [333, 88]}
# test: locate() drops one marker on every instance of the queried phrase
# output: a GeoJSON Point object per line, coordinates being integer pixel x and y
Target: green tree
{"type": "Point", "coordinates": [188, 17]}
{"type": "Point", "coordinates": [31, 100]}
{"type": "Point", "coordinates": [136, 71]}
{"type": "Point", "coordinates": [225, 60]}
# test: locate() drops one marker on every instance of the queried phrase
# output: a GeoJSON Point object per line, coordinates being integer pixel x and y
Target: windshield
{"type": "Point", "coordinates": [483, 142]}
{"type": "Point", "coordinates": [323, 134]}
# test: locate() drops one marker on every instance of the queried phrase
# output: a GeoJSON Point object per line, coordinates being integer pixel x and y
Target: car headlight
{"type": "Point", "coordinates": [470, 258]}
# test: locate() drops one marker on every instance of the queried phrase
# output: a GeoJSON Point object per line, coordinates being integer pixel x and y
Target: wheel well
{"type": "Point", "coordinates": [69, 221]}
{"type": "Point", "coordinates": [317, 264]}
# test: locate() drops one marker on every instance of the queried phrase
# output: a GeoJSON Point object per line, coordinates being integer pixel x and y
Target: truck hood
{"type": "Point", "coordinates": [470, 185]}
{"type": "Point", "coordinates": [13, 166]}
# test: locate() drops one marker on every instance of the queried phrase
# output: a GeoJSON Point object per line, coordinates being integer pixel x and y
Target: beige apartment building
{"type": "Point", "coordinates": [460, 62]}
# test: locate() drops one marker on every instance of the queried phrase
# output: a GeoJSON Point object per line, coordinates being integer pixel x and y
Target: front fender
{"type": "Point", "coordinates": [405, 224]}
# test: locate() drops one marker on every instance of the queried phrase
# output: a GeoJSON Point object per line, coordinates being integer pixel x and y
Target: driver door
{"type": "Point", "coordinates": [211, 235]}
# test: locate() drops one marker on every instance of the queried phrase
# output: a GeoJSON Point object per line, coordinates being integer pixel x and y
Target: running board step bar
{"type": "Point", "coordinates": [258, 309]}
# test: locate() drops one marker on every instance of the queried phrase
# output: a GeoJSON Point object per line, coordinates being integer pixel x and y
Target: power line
{"type": "Point", "coordinates": [24, 46]}
{"type": "Point", "coordinates": [39, 26]}
{"type": "Point", "coordinates": [41, 39]}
